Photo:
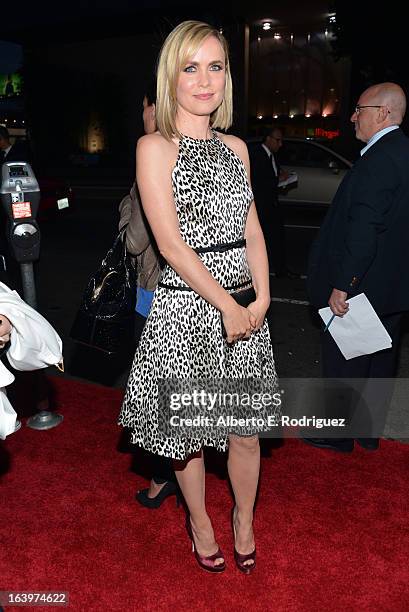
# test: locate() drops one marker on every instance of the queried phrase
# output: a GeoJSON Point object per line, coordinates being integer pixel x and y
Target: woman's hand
{"type": "Point", "coordinates": [258, 310]}
{"type": "Point", "coordinates": [5, 329]}
{"type": "Point", "coordinates": [238, 322]}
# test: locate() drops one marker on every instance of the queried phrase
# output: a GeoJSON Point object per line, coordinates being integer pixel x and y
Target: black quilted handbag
{"type": "Point", "coordinates": [105, 319]}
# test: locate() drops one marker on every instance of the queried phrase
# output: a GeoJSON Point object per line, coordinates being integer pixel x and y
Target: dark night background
{"type": "Point", "coordinates": [74, 525]}
{"type": "Point", "coordinates": [374, 38]}
{"type": "Point", "coordinates": [62, 96]}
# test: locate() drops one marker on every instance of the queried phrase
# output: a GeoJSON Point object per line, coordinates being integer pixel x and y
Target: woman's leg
{"type": "Point", "coordinates": [244, 468]}
{"type": "Point", "coordinates": [190, 475]}
{"type": "Point", "coordinates": [162, 484]}
{"type": "Point", "coordinates": [162, 469]}
{"type": "Point", "coordinates": [162, 472]}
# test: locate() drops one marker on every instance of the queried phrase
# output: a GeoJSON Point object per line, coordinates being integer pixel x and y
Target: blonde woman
{"type": "Point", "coordinates": [194, 188]}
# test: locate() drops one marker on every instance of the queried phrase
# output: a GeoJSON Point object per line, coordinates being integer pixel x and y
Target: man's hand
{"type": "Point", "coordinates": [283, 175]}
{"type": "Point", "coordinates": [5, 329]}
{"type": "Point", "coordinates": [337, 302]}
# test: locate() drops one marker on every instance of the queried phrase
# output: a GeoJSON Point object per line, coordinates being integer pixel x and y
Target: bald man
{"type": "Point", "coordinates": [363, 247]}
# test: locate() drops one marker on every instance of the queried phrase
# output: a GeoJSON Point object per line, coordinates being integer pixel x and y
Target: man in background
{"type": "Point", "coordinates": [265, 177]}
{"type": "Point", "coordinates": [363, 247]}
{"type": "Point", "coordinates": [9, 152]}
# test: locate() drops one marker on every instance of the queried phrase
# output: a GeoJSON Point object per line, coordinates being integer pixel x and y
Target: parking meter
{"type": "Point", "coordinates": [20, 197]}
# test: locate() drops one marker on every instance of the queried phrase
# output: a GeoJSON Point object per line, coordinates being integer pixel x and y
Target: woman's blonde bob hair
{"type": "Point", "coordinates": [183, 42]}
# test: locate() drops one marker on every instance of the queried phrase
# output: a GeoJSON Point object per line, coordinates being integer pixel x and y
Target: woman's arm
{"type": "Point", "coordinates": [155, 159]}
{"type": "Point", "coordinates": [5, 330]}
{"type": "Point", "coordinates": [257, 255]}
{"type": "Point", "coordinates": [255, 243]}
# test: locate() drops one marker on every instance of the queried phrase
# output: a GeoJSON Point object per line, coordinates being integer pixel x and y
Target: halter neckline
{"type": "Point", "coordinates": [211, 139]}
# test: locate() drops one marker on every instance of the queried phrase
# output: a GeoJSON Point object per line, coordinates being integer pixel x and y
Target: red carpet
{"type": "Point", "coordinates": [332, 530]}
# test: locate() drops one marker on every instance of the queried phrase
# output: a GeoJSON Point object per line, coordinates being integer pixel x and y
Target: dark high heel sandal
{"type": "Point", "coordinates": [207, 563]}
{"type": "Point", "coordinates": [240, 558]}
{"type": "Point", "coordinates": [170, 488]}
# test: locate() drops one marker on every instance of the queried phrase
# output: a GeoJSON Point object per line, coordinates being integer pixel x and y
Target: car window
{"type": "Point", "coordinates": [319, 158]}
{"type": "Point", "coordinates": [293, 154]}
{"type": "Point", "coordinates": [308, 155]}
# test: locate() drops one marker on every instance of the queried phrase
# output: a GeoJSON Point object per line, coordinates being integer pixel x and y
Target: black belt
{"type": "Point", "coordinates": [214, 248]}
{"type": "Point", "coordinates": [232, 288]}
{"type": "Point", "coordinates": [222, 247]}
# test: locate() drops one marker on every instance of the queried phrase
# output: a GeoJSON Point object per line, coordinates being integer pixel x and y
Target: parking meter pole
{"type": "Point", "coordinates": [20, 197]}
{"type": "Point", "coordinates": [27, 279]}
{"type": "Point", "coordinates": [45, 419]}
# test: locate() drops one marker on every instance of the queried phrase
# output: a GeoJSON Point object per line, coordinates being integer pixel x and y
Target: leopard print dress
{"type": "Point", "coordinates": [182, 337]}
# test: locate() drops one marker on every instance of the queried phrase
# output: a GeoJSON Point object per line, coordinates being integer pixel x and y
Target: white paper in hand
{"type": "Point", "coordinates": [291, 178]}
{"type": "Point", "coordinates": [360, 331]}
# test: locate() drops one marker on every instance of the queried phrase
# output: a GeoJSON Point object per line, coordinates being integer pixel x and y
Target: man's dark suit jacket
{"type": "Point", "coordinates": [19, 152]}
{"type": "Point", "coordinates": [264, 182]}
{"type": "Point", "coordinates": [363, 244]}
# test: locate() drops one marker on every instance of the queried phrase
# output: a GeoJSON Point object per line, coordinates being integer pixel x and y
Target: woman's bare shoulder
{"type": "Point", "coordinates": [153, 141]}
{"type": "Point", "coordinates": [237, 145]}
{"type": "Point", "coordinates": [157, 147]}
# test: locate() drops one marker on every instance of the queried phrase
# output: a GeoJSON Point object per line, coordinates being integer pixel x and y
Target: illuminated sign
{"type": "Point", "coordinates": [330, 134]}
{"type": "Point", "coordinates": [10, 85]}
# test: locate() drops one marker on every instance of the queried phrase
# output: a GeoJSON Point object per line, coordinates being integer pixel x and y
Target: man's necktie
{"type": "Point", "coordinates": [273, 163]}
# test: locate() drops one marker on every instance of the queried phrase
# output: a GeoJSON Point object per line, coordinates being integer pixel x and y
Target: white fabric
{"type": "Point", "coordinates": [7, 415]}
{"type": "Point", "coordinates": [34, 345]}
